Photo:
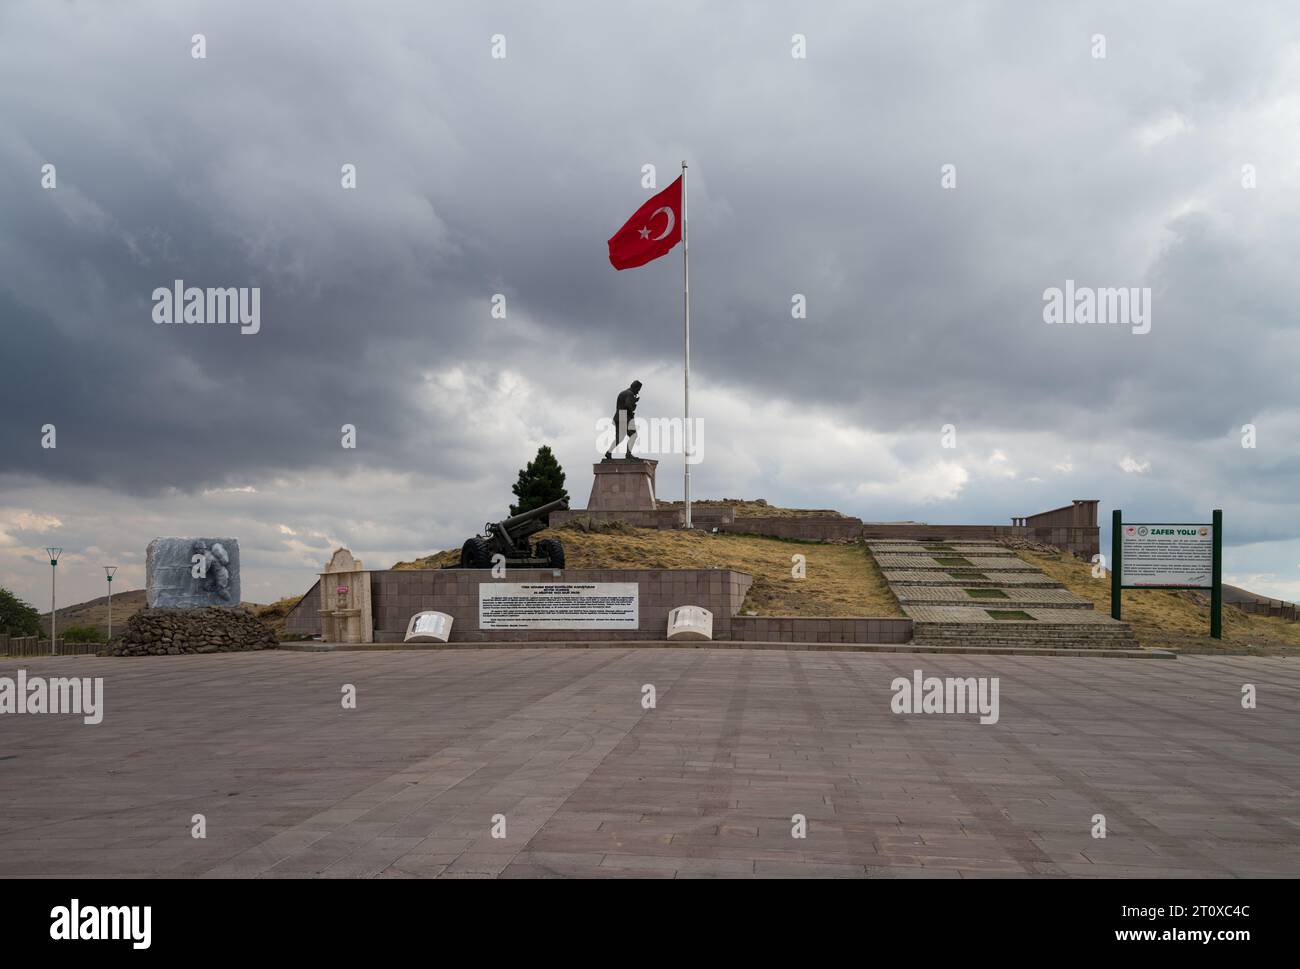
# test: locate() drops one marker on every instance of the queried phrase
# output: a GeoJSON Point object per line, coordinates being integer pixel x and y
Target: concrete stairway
{"type": "Point", "coordinates": [943, 588]}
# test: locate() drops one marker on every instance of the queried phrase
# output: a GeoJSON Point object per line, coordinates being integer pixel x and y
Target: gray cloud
{"type": "Point", "coordinates": [478, 176]}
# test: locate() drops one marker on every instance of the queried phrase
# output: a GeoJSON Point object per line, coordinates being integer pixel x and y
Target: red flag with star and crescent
{"type": "Point", "coordinates": [653, 229]}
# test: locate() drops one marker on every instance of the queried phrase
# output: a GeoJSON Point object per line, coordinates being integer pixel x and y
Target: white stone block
{"type": "Point", "coordinates": [690, 622]}
{"type": "Point", "coordinates": [428, 627]}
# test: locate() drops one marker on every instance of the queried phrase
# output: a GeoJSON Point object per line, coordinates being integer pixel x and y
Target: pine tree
{"type": "Point", "coordinates": [540, 483]}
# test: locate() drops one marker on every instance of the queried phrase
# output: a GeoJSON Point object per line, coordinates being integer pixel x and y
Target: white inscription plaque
{"type": "Point", "coordinates": [558, 605]}
{"type": "Point", "coordinates": [1178, 555]}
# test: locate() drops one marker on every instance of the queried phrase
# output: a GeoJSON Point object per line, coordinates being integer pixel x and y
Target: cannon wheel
{"type": "Point", "coordinates": [551, 550]}
{"type": "Point", "coordinates": [476, 553]}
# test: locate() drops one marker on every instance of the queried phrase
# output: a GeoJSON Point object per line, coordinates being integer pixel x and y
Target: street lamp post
{"type": "Point", "coordinates": [108, 572]}
{"type": "Point", "coordinates": [54, 569]}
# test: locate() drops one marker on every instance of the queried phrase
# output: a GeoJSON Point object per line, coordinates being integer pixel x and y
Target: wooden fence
{"type": "Point", "coordinates": [1270, 607]}
{"type": "Point", "coordinates": [35, 646]}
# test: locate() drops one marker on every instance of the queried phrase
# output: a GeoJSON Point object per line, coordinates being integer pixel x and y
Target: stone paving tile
{"type": "Point", "coordinates": [929, 550]}
{"type": "Point", "coordinates": [944, 613]}
{"type": "Point", "coordinates": [940, 577]}
{"type": "Point", "coordinates": [979, 614]}
{"type": "Point", "coordinates": [1000, 563]}
{"type": "Point", "coordinates": [957, 595]}
{"type": "Point", "coordinates": [704, 785]}
{"type": "Point", "coordinates": [996, 563]}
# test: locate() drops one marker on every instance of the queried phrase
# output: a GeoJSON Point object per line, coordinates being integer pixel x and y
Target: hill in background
{"type": "Point", "coordinates": [94, 612]}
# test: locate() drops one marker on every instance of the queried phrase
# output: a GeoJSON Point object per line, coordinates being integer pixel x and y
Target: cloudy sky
{"type": "Point", "coordinates": [479, 175]}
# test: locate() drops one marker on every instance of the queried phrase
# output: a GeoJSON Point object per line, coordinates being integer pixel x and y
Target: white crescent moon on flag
{"type": "Point", "coordinates": [672, 220]}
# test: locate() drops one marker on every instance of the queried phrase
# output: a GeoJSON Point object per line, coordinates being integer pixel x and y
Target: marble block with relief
{"type": "Point", "coordinates": [191, 573]}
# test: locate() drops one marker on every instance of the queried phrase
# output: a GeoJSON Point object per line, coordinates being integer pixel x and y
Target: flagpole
{"type": "Point", "coordinates": [687, 436]}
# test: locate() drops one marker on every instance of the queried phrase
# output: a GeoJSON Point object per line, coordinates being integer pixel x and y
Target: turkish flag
{"type": "Point", "coordinates": [653, 229]}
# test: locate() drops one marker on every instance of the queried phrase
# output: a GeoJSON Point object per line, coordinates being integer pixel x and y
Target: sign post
{"type": "Point", "coordinates": [1116, 556]}
{"type": "Point", "coordinates": [1162, 555]}
{"type": "Point", "coordinates": [1216, 593]}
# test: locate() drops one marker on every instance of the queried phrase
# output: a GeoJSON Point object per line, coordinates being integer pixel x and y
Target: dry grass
{"type": "Point", "coordinates": [274, 614]}
{"type": "Point", "coordinates": [1166, 617]}
{"type": "Point", "coordinates": [438, 560]}
{"type": "Point", "coordinates": [841, 580]}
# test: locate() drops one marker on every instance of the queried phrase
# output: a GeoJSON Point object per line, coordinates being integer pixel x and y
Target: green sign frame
{"type": "Point", "coordinates": [1216, 588]}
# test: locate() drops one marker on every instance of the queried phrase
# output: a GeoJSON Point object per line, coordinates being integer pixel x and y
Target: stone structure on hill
{"type": "Point", "coordinates": [1072, 528]}
{"type": "Point", "coordinates": [623, 489]}
{"type": "Point", "coordinates": [557, 604]}
{"type": "Point", "coordinates": [623, 485]}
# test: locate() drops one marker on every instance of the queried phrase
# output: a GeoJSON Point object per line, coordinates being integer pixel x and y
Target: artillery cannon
{"type": "Point", "coordinates": [510, 538]}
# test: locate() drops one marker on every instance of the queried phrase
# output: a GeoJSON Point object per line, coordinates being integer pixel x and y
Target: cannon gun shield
{"type": "Point", "coordinates": [510, 538]}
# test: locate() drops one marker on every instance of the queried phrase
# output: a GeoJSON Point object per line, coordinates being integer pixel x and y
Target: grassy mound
{"type": "Point", "coordinates": [274, 615]}
{"type": "Point", "coordinates": [839, 580]}
{"type": "Point", "coordinates": [1169, 617]}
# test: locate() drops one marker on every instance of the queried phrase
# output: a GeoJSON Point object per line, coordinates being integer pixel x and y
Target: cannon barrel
{"type": "Point", "coordinates": [541, 511]}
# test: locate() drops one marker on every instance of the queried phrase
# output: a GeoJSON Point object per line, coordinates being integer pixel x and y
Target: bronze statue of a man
{"type": "Point", "coordinates": [624, 412]}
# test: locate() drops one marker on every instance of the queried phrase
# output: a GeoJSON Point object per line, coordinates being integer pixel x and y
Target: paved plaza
{"type": "Point", "coordinates": [554, 746]}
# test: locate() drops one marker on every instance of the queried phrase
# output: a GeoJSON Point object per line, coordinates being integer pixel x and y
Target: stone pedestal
{"type": "Point", "coordinates": [345, 610]}
{"type": "Point", "coordinates": [623, 484]}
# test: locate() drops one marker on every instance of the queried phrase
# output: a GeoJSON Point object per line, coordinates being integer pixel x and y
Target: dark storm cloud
{"type": "Point", "coordinates": [479, 176]}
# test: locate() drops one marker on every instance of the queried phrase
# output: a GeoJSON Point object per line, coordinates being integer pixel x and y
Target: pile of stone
{"type": "Point", "coordinates": [216, 629]}
{"type": "Point", "coordinates": [1025, 545]}
{"type": "Point", "coordinates": [586, 523]}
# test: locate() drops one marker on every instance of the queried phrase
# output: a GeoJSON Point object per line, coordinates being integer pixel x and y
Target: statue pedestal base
{"type": "Point", "coordinates": [623, 484]}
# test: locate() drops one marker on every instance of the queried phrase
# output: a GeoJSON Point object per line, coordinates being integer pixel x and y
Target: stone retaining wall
{"type": "Point", "coordinates": [398, 595]}
{"type": "Point", "coordinates": [1081, 540]}
{"type": "Point", "coordinates": [813, 629]}
{"type": "Point", "coordinates": [1084, 542]}
{"type": "Point", "coordinates": [304, 618]}
{"type": "Point", "coordinates": [660, 518]}
{"type": "Point", "coordinates": [805, 529]}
